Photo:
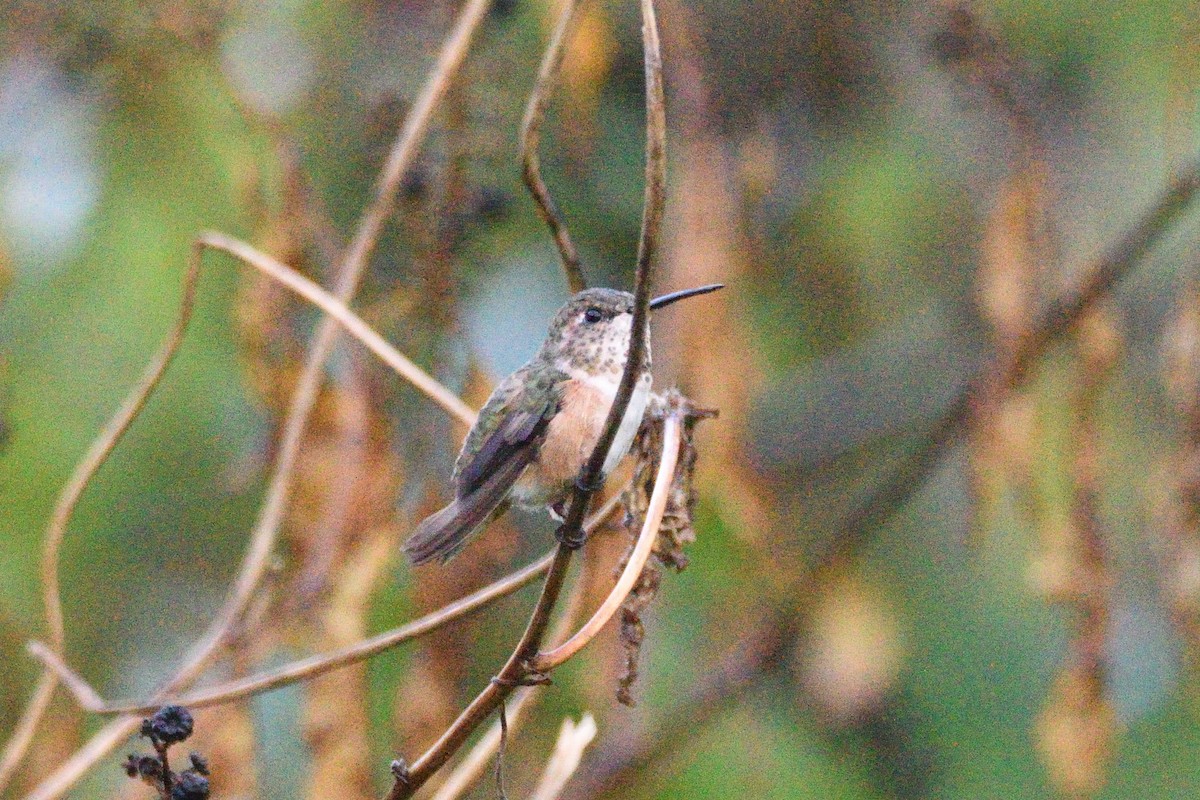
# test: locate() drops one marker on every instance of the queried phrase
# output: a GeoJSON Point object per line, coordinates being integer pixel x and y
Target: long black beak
{"type": "Point", "coordinates": [667, 299]}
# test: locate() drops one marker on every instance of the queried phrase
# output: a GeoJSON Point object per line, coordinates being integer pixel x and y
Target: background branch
{"type": "Point", "coordinates": [531, 134]}
{"type": "Point", "coordinates": [313, 666]}
{"type": "Point", "coordinates": [338, 311]}
{"type": "Point", "coordinates": [64, 509]}
{"type": "Point", "coordinates": [262, 539]}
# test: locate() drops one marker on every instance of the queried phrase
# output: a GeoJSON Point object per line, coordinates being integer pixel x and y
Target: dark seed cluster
{"type": "Point", "coordinates": [169, 726]}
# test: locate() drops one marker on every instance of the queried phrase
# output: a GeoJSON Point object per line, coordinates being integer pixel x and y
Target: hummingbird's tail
{"type": "Point", "coordinates": [443, 533]}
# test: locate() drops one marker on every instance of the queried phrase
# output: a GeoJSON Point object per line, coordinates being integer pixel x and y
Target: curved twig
{"type": "Point", "coordinates": [310, 667]}
{"type": "Point", "coordinates": [546, 661]}
{"type": "Point", "coordinates": [262, 541]}
{"type": "Point", "coordinates": [306, 667]}
{"type": "Point", "coordinates": [531, 133]}
{"type": "Point", "coordinates": [353, 324]}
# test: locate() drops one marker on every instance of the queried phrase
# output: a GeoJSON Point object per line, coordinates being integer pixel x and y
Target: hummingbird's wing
{"type": "Point", "coordinates": [512, 425]}
{"type": "Point", "coordinates": [499, 447]}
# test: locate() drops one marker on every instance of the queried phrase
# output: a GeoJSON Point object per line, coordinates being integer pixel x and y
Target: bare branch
{"type": "Point", "coordinates": [531, 133]}
{"type": "Point", "coordinates": [263, 538]}
{"type": "Point", "coordinates": [313, 666]}
{"type": "Point", "coordinates": [85, 695]}
{"type": "Point", "coordinates": [307, 667]}
{"type": "Point", "coordinates": [516, 669]}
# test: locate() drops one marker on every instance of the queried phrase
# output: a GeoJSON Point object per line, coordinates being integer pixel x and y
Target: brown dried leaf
{"type": "Point", "coordinates": [709, 244]}
{"type": "Point", "coordinates": [336, 727]}
{"type": "Point", "coordinates": [1176, 485]}
{"type": "Point", "coordinates": [676, 531]}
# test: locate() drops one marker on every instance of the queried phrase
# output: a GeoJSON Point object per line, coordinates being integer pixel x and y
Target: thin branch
{"type": "Point", "coordinates": [87, 697]}
{"type": "Point", "coordinates": [891, 495]}
{"type": "Point", "coordinates": [546, 661]}
{"type": "Point", "coordinates": [353, 324]}
{"type": "Point", "coordinates": [307, 667]}
{"type": "Point", "coordinates": [263, 538]}
{"type": "Point", "coordinates": [652, 214]}
{"type": "Point", "coordinates": [516, 669]}
{"type": "Point", "coordinates": [310, 667]}
{"type": "Point", "coordinates": [531, 133]}
{"type": "Point", "coordinates": [1110, 269]}
{"type": "Point", "coordinates": [469, 769]}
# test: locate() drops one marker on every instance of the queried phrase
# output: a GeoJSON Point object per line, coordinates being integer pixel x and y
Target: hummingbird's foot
{"type": "Point", "coordinates": [558, 510]}
{"type": "Point", "coordinates": [572, 540]}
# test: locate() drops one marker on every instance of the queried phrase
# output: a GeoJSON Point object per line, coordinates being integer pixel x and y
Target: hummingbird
{"type": "Point", "coordinates": [541, 423]}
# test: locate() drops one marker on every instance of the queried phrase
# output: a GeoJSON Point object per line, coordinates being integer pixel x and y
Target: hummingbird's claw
{"type": "Point", "coordinates": [572, 539]}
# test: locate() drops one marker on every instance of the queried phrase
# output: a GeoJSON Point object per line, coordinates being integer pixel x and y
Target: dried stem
{"type": "Point", "coordinates": [531, 133]}
{"type": "Point", "coordinates": [310, 667]}
{"type": "Point", "coordinates": [1077, 725]}
{"type": "Point", "coordinates": [568, 752]}
{"type": "Point", "coordinates": [307, 667]}
{"type": "Point", "coordinates": [410, 779]}
{"type": "Point", "coordinates": [263, 538]}
{"type": "Point", "coordinates": [546, 661]}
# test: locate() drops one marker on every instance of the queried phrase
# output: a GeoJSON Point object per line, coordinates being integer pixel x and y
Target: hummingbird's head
{"type": "Point", "coordinates": [591, 332]}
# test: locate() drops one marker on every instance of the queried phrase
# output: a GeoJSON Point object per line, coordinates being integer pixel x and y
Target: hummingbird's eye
{"type": "Point", "coordinates": [593, 314]}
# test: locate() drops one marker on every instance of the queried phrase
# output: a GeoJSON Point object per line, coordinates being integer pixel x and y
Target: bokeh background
{"type": "Point", "coordinates": [892, 191]}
